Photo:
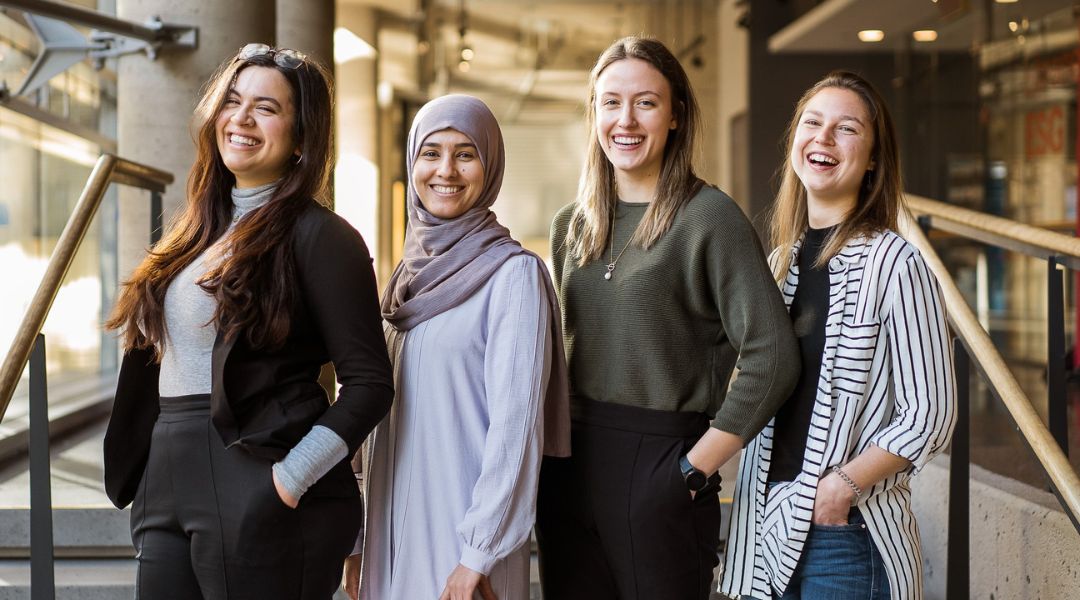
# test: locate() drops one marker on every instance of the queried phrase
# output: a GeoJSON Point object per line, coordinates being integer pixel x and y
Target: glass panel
{"type": "Point", "coordinates": [43, 171]}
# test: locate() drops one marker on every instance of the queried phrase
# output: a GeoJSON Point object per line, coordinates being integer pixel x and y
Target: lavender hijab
{"type": "Point", "coordinates": [447, 260]}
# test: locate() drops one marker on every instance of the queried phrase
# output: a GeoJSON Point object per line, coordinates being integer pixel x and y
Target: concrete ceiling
{"type": "Point", "coordinates": [532, 57]}
{"type": "Point", "coordinates": [833, 25]}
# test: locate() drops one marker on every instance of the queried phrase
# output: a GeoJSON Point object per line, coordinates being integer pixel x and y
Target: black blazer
{"type": "Point", "coordinates": [266, 401]}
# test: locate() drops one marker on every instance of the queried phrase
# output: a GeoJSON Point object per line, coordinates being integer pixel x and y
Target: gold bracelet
{"type": "Point", "coordinates": [855, 488]}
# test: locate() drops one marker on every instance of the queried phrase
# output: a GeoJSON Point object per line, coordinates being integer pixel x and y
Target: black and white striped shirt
{"type": "Point", "coordinates": [887, 380]}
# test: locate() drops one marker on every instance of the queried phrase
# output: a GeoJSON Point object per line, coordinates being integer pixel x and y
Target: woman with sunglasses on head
{"type": "Point", "coordinates": [221, 435]}
{"type": "Point", "coordinates": [665, 291]}
{"type": "Point", "coordinates": [822, 506]}
{"type": "Point", "coordinates": [473, 328]}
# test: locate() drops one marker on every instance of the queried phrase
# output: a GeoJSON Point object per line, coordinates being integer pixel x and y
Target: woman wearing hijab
{"type": "Point", "coordinates": [473, 332]}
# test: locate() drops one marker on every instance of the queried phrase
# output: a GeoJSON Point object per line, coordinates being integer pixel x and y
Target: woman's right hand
{"type": "Point", "coordinates": [463, 583]}
{"type": "Point", "coordinates": [351, 578]}
{"type": "Point", "coordinates": [833, 501]}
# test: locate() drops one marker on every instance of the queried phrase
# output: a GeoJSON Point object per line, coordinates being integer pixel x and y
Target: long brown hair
{"type": "Point", "coordinates": [880, 195]}
{"type": "Point", "coordinates": [254, 282]}
{"type": "Point", "coordinates": [590, 224]}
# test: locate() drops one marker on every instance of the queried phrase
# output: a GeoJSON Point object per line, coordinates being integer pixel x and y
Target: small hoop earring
{"type": "Point", "coordinates": [299, 158]}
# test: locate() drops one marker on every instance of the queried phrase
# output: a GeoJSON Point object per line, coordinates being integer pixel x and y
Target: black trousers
{"type": "Point", "coordinates": [208, 524]}
{"type": "Point", "coordinates": [615, 521]}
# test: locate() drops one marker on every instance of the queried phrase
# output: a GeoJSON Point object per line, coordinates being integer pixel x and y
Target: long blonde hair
{"type": "Point", "coordinates": [880, 195]}
{"type": "Point", "coordinates": [590, 224]}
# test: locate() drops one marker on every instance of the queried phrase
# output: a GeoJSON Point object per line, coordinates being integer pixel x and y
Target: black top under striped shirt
{"type": "Point", "coordinates": [809, 310]}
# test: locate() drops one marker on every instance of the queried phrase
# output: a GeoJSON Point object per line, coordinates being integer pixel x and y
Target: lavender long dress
{"type": "Point", "coordinates": [453, 469]}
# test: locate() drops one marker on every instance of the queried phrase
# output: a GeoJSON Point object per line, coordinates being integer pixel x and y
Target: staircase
{"type": "Point", "coordinates": [94, 557]}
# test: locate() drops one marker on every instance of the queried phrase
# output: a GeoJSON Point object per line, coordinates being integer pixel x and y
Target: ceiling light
{"type": "Point", "coordinates": [1006, 1]}
{"type": "Point", "coordinates": [467, 53]}
{"type": "Point", "coordinates": [1013, 26]}
{"type": "Point", "coordinates": [464, 66]}
{"type": "Point", "coordinates": [924, 35]}
{"type": "Point", "coordinates": [871, 35]}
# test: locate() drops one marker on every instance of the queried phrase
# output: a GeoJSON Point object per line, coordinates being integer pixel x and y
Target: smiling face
{"type": "Point", "coordinates": [447, 174]}
{"type": "Point", "coordinates": [633, 115]}
{"type": "Point", "coordinates": [254, 127]}
{"type": "Point", "coordinates": [831, 151]}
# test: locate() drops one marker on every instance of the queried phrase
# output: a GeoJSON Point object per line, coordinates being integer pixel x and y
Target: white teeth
{"type": "Point", "coordinates": [240, 139]}
{"type": "Point", "coordinates": [629, 139]}
{"type": "Point", "coordinates": [821, 158]}
{"type": "Point", "coordinates": [447, 189]}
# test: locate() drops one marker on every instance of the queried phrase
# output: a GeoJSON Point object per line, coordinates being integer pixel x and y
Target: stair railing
{"type": "Point", "coordinates": [973, 342]}
{"type": "Point", "coordinates": [29, 345]}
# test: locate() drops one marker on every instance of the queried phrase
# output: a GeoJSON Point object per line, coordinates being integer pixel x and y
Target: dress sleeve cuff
{"type": "Point", "coordinates": [478, 561]}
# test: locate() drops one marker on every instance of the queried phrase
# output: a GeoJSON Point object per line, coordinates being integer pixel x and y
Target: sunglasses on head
{"type": "Point", "coordinates": [283, 57]}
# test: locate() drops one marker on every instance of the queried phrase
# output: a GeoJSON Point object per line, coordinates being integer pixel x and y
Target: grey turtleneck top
{"type": "Point", "coordinates": [186, 358]}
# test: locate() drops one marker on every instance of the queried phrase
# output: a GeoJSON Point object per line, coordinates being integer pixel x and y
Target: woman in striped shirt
{"type": "Point", "coordinates": [822, 506]}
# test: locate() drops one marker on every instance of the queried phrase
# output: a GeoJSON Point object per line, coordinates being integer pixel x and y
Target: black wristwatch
{"type": "Point", "coordinates": [695, 479]}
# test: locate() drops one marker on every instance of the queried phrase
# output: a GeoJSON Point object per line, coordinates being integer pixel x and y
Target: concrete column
{"type": "Point", "coordinates": [705, 76]}
{"type": "Point", "coordinates": [307, 26]}
{"type": "Point", "coordinates": [356, 179]}
{"type": "Point", "coordinates": [730, 62]}
{"type": "Point", "coordinates": [155, 99]}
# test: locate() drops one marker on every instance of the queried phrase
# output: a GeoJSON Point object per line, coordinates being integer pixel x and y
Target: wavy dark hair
{"type": "Point", "coordinates": [253, 283]}
{"type": "Point", "coordinates": [881, 192]}
{"type": "Point", "coordinates": [590, 224]}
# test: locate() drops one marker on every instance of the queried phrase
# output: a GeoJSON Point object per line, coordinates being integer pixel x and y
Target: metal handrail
{"type": "Point", "coordinates": [108, 169]}
{"type": "Point", "coordinates": [1065, 481]}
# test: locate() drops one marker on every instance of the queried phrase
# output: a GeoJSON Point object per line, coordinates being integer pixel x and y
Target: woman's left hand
{"type": "Point", "coordinates": [833, 501]}
{"type": "Point", "coordinates": [461, 584]}
{"type": "Point", "coordinates": [282, 493]}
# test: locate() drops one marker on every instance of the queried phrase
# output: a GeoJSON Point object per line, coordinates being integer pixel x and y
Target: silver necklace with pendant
{"type": "Point", "coordinates": [611, 250]}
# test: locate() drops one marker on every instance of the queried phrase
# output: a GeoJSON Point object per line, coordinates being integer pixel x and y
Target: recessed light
{"type": "Point", "coordinates": [1006, 1]}
{"type": "Point", "coordinates": [1013, 26]}
{"type": "Point", "coordinates": [924, 35]}
{"type": "Point", "coordinates": [871, 35]}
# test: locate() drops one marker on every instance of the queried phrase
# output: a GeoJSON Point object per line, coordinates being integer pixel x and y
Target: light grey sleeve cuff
{"type": "Point", "coordinates": [310, 459]}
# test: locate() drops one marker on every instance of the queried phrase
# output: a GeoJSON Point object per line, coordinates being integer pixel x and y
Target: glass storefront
{"type": "Point", "coordinates": [1028, 173]}
{"type": "Point", "coordinates": [43, 169]}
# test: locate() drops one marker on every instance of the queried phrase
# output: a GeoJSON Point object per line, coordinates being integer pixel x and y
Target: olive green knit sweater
{"type": "Point", "coordinates": [666, 331]}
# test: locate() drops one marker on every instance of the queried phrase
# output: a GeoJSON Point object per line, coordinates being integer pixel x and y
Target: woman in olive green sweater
{"type": "Point", "coordinates": [665, 291]}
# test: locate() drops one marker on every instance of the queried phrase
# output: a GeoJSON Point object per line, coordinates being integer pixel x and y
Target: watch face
{"type": "Point", "coordinates": [695, 480]}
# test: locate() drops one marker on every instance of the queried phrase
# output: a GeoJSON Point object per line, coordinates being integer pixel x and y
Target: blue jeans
{"type": "Point", "coordinates": [839, 562]}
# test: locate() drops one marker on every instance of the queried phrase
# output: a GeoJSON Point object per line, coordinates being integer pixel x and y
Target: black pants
{"type": "Point", "coordinates": [208, 524]}
{"type": "Point", "coordinates": [615, 521]}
